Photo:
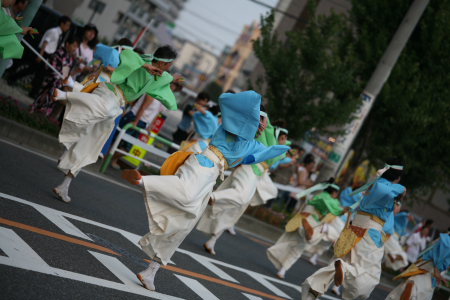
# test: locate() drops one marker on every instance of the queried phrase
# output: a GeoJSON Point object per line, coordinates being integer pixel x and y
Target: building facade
{"type": "Point", "coordinates": [196, 62]}
{"type": "Point", "coordinates": [117, 19]}
{"type": "Point", "coordinates": [229, 72]}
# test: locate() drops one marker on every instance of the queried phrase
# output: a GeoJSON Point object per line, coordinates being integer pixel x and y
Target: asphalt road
{"type": "Point", "coordinates": [87, 249]}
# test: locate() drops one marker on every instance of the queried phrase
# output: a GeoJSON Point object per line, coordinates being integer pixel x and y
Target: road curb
{"type": "Point", "coordinates": [29, 137]}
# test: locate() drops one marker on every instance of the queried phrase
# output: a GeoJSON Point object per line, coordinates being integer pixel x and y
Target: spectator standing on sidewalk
{"type": "Point", "coordinates": [50, 42]}
{"type": "Point", "coordinates": [304, 172]}
{"type": "Point", "coordinates": [85, 51]}
{"type": "Point", "coordinates": [63, 60]}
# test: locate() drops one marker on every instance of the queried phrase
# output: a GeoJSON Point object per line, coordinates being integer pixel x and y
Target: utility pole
{"type": "Point", "coordinates": [373, 88]}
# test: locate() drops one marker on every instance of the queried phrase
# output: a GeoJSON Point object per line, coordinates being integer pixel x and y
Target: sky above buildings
{"type": "Point", "coordinates": [218, 22]}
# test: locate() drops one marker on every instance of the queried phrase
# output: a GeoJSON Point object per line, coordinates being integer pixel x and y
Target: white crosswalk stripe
{"type": "Point", "coordinates": [20, 255]}
{"type": "Point", "coordinates": [197, 288]}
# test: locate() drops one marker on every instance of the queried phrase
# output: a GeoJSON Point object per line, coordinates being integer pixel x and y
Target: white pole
{"type": "Point", "coordinates": [42, 58]}
{"type": "Point", "coordinates": [374, 86]}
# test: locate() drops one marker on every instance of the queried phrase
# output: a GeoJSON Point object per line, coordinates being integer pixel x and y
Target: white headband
{"type": "Point", "coordinates": [278, 130]}
{"type": "Point", "coordinates": [387, 167]}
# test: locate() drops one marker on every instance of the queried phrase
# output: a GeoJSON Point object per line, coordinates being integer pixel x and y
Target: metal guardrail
{"type": "Point", "coordinates": [135, 141]}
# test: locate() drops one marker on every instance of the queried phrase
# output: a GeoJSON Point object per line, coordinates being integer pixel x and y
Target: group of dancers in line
{"type": "Point", "coordinates": [242, 139]}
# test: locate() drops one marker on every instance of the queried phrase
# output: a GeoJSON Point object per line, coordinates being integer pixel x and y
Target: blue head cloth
{"type": "Point", "coordinates": [205, 124]}
{"type": "Point", "coordinates": [439, 254]}
{"type": "Point", "coordinates": [108, 55]}
{"type": "Point", "coordinates": [240, 113]}
{"type": "Point", "coordinates": [401, 223]}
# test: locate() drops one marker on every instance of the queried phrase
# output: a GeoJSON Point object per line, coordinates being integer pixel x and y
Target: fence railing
{"type": "Point", "coordinates": [123, 136]}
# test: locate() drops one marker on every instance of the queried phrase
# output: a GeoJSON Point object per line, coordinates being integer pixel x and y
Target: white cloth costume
{"type": "Point", "coordinates": [392, 249]}
{"type": "Point", "coordinates": [291, 245]}
{"type": "Point", "coordinates": [361, 267]}
{"type": "Point", "coordinates": [331, 232]}
{"type": "Point", "coordinates": [183, 197]}
{"type": "Point", "coordinates": [416, 243]}
{"type": "Point", "coordinates": [231, 199]}
{"type": "Point", "coordinates": [265, 190]}
{"type": "Point", "coordinates": [423, 288]}
{"type": "Point", "coordinates": [88, 122]}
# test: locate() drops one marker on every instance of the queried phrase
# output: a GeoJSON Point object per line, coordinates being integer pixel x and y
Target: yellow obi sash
{"type": "Point", "coordinates": [416, 268]}
{"type": "Point", "coordinates": [174, 161]}
{"type": "Point", "coordinates": [91, 82]}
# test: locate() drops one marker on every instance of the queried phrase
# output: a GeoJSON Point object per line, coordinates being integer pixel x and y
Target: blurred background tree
{"type": "Point", "coordinates": [310, 78]}
{"type": "Point", "coordinates": [313, 80]}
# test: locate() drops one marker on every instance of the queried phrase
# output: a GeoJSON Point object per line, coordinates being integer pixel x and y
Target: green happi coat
{"type": "Point", "coordinates": [136, 81]}
{"type": "Point", "coordinates": [10, 46]}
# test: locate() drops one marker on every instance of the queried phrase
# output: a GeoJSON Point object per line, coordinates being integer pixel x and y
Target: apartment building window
{"type": "Point", "coordinates": [97, 6]}
{"type": "Point", "coordinates": [119, 17]}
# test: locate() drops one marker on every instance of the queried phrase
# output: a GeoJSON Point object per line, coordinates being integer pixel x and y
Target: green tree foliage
{"type": "Point", "coordinates": [310, 76]}
{"type": "Point", "coordinates": [214, 90]}
{"type": "Point", "coordinates": [411, 116]}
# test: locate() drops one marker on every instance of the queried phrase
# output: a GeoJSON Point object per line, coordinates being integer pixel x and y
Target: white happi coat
{"type": "Point", "coordinates": [334, 229]}
{"type": "Point", "coordinates": [291, 245]}
{"type": "Point", "coordinates": [175, 203]}
{"type": "Point", "coordinates": [392, 247]}
{"type": "Point", "coordinates": [423, 286]}
{"type": "Point", "coordinates": [362, 267]}
{"type": "Point", "coordinates": [265, 190]}
{"type": "Point", "coordinates": [231, 199]}
{"type": "Point", "coordinates": [88, 122]}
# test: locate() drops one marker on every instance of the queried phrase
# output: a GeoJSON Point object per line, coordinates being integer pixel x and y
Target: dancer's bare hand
{"type": "Point", "coordinates": [153, 70]}
{"type": "Point", "coordinates": [29, 30]}
{"type": "Point", "coordinates": [439, 278]}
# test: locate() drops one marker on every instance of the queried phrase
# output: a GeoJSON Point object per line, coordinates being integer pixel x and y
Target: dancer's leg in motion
{"type": "Point", "coordinates": [62, 190]}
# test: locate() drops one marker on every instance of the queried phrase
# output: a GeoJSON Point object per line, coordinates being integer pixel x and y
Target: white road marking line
{"type": "Point", "coordinates": [132, 237]}
{"type": "Point", "coordinates": [263, 279]}
{"type": "Point", "coordinates": [266, 283]}
{"type": "Point", "coordinates": [17, 250]}
{"type": "Point", "coordinates": [62, 223]}
{"type": "Point", "coordinates": [252, 297]}
{"type": "Point", "coordinates": [20, 255]}
{"type": "Point", "coordinates": [197, 288]}
{"type": "Point", "coordinates": [204, 261]}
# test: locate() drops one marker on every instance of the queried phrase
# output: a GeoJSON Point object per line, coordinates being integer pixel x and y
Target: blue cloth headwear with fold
{"type": "Point", "coordinates": [205, 124]}
{"type": "Point", "coordinates": [240, 113]}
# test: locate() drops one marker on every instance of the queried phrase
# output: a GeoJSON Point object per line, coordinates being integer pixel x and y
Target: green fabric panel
{"type": "Point", "coordinates": [135, 81]}
{"type": "Point", "coordinates": [268, 139]}
{"type": "Point", "coordinates": [325, 204]}
{"type": "Point", "coordinates": [256, 170]}
{"type": "Point", "coordinates": [8, 25]}
{"type": "Point", "coordinates": [10, 46]}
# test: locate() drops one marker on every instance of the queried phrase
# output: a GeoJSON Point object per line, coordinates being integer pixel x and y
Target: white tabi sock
{"type": "Point", "coordinates": [281, 273]}
{"type": "Point", "coordinates": [313, 259]}
{"type": "Point", "coordinates": [66, 183]}
{"type": "Point", "coordinates": [147, 277]}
